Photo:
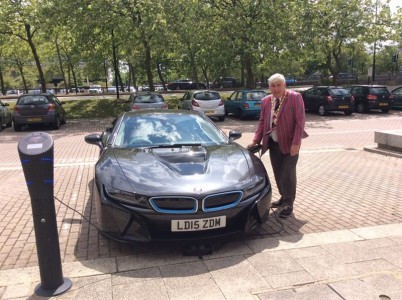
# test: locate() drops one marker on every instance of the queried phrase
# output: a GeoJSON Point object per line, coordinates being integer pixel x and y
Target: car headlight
{"type": "Point", "coordinates": [127, 197]}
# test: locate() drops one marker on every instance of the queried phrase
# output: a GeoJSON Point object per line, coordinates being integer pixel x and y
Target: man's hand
{"type": "Point", "coordinates": [251, 145]}
{"type": "Point", "coordinates": [294, 150]}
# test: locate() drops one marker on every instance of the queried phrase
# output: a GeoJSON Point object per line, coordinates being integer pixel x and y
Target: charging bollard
{"type": "Point", "coordinates": [36, 155]}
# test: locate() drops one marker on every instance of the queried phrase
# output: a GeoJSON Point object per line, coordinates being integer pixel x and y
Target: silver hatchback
{"type": "Point", "coordinates": [208, 102]}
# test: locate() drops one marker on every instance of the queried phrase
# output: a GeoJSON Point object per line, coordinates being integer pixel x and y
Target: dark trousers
{"type": "Point", "coordinates": [284, 167]}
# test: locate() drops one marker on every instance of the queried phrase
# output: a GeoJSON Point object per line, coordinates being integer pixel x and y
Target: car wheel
{"type": "Point", "coordinates": [56, 124]}
{"type": "Point", "coordinates": [385, 111]}
{"type": "Point", "coordinates": [361, 108]}
{"type": "Point", "coordinates": [64, 121]}
{"type": "Point", "coordinates": [9, 124]}
{"type": "Point", "coordinates": [241, 114]}
{"type": "Point", "coordinates": [221, 118]}
{"type": "Point", "coordinates": [226, 112]}
{"type": "Point", "coordinates": [17, 127]}
{"type": "Point", "coordinates": [348, 112]}
{"type": "Point", "coordinates": [322, 110]}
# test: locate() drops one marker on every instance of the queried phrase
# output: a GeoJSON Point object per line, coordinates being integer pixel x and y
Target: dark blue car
{"type": "Point", "coordinates": [245, 103]}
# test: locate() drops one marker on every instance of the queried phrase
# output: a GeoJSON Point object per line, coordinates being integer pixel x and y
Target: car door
{"type": "Point", "coordinates": [397, 94]}
{"type": "Point", "coordinates": [182, 103]}
{"type": "Point", "coordinates": [309, 97]}
{"type": "Point", "coordinates": [230, 105]}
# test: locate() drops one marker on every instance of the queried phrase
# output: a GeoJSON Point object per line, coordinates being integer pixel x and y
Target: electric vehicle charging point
{"type": "Point", "coordinates": [37, 160]}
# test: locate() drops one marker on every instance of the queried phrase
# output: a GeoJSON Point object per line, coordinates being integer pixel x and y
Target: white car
{"type": "Point", "coordinates": [208, 102]}
{"type": "Point", "coordinates": [95, 89]}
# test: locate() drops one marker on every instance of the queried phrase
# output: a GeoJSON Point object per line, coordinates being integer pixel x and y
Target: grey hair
{"type": "Point", "coordinates": [276, 78]}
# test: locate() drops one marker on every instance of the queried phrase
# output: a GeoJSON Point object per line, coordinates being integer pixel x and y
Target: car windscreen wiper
{"type": "Point", "coordinates": [175, 145]}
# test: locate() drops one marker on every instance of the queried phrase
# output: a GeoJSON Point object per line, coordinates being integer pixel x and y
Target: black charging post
{"type": "Point", "coordinates": [36, 155]}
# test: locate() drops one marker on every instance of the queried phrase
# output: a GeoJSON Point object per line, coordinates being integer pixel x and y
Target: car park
{"type": "Point", "coordinates": [147, 100]}
{"type": "Point", "coordinates": [323, 99]}
{"type": "Point", "coordinates": [397, 97]}
{"type": "Point", "coordinates": [208, 102]}
{"type": "Point", "coordinates": [185, 84]}
{"type": "Point", "coordinates": [174, 175]}
{"type": "Point", "coordinates": [368, 97]}
{"type": "Point", "coordinates": [41, 108]}
{"type": "Point", "coordinates": [5, 115]}
{"type": "Point", "coordinates": [245, 103]}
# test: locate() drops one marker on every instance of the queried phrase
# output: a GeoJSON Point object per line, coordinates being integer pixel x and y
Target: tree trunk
{"type": "Point", "coordinates": [249, 69]}
{"type": "Point", "coordinates": [148, 65]}
{"type": "Point", "coordinates": [159, 68]}
{"type": "Point", "coordinates": [115, 66]}
{"type": "Point", "coordinates": [61, 64]}
{"type": "Point", "coordinates": [3, 88]}
{"type": "Point", "coordinates": [36, 57]}
{"type": "Point", "coordinates": [21, 69]}
{"type": "Point", "coordinates": [134, 78]}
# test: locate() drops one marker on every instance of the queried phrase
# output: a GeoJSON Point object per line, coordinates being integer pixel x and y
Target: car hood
{"type": "Point", "coordinates": [177, 170]}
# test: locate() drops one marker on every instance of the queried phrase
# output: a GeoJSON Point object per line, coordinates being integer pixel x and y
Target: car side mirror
{"type": "Point", "coordinates": [94, 139]}
{"type": "Point", "coordinates": [234, 135]}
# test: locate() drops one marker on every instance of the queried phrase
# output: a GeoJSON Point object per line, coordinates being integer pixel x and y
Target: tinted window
{"type": "Point", "coordinates": [379, 90]}
{"type": "Point", "coordinates": [149, 99]}
{"type": "Point", "coordinates": [339, 92]}
{"type": "Point", "coordinates": [207, 96]}
{"type": "Point", "coordinates": [32, 100]}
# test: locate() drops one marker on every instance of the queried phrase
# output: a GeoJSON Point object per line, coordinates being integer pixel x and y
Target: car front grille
{"type": "Point", "coordinates": [186, 205]}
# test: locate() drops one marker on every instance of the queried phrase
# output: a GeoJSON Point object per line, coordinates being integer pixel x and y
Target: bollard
{"type": "Point", "coordinates": [36, 155]}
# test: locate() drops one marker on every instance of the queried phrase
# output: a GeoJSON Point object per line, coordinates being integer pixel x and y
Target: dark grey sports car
{"type": "Point", "coordinates": [174, 175]}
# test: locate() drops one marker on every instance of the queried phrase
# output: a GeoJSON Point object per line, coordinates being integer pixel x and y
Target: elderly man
{"type": "Point", "coordinates": [281, 129]}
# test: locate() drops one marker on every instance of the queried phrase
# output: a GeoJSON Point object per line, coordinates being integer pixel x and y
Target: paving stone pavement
{"type": "Point", "coordinates": [319, 251]}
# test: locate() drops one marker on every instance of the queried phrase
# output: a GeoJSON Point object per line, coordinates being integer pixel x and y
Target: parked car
{"type": "Point", "coordinates": [42, 108]}
{"type": "Point", "coordinates": [147, 101]}
{"type": "Point", "coordinates": [95, 89]}
{"type": "Point", "coordinates": [174, 175]}
{"type": "Point", "coordinates": [226, 82]}
{"type": "Point", "coordinates": [185, 84]}
{"type": "Point", "coordinates": [208, 102]}
{"type": "Point", "coordinates": [397, 97]}
{"type": "Point", "coordinates": [290, 80]}
{"type": "Point", "coordinates": [5, 115]}
{"type": "Point", "coordinates": [245, 103]}
{"type": "Point", "coordinates": [368, 97]}
{"type": "Point", "coordinates": [324, 99]}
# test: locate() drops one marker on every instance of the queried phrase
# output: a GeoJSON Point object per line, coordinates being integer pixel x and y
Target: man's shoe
{"type": "Point", "coordinates": [286, 212]}
{"type": "Point", "coordinates": [277, 204]}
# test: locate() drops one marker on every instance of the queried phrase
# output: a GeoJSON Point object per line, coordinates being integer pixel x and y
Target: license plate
{"type": "Point", "coordinates": [198, 224]}
{"type": "Point", "coordinates": [257, 105]}
{"type": "Point", "coordinates": [343, 106]}
{"type": "Point", "coordinates": [209, 112]}
{"type": "Point", "coordinates": [383, 104]}
{"type": "Point", "coordinates": [34, 119]}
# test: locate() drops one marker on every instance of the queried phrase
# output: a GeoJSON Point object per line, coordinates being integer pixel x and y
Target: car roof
{"type": "Point", "coordinates": [367, 85]}
{"type": "Point", "coordinates": [40, 94]}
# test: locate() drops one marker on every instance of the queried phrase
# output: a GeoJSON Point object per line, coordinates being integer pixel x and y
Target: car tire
{"type": "Point", "coordinates": [17, 127]}
{"type": "Point", "coordinates": [361, 108]}
{"type": "Point", "coordinates": [241, 114]}
{"type": "Point", "coordinates": [322, 110]}
{"type": "Point", "coordinates": [9, 124]}
{"type": "Point", "coordinates": [64, 121]}
{"type": "Point", "coordinates": [385, 111]}
{"type": "Point", "coordinates": [221, 118]}
{"type": "Point", "coordinates": [226, 112]}
{"type": "Point", "coordinates": [56, 124]}
{"type": "Point", "coordinates": [348, 112]}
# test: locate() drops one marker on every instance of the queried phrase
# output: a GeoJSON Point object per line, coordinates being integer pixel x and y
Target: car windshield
{"type": "Point", "coordinates": [379, 90]}
{"type": "Point", "coordinates": [32, 100]}
{"type": "Point", "coordinates": [148, 99]}
{"type": "Point", "coordinates": [339, 92]}
{"type": "Point", "coordinates": [207, 96]}
{"type": "Point", "coordinates": [159, 129]}
{"type": "Point", "coordinates": [256, 95]}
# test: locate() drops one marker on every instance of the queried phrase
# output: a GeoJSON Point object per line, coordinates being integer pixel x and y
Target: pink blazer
{"type": "Point", "coordinates": [290, 126]}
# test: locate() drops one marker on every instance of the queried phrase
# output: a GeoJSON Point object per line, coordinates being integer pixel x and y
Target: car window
{"type": "Point", "coordinates": [398, 92]}
{"type": "Point", "coordinates": [207, 96]}
{"type": "Point", "coordinates": [33, 100]}
{"type": "Point", "coordinates": [339, 92]}
{"type": "Point", "coordinates": [379, 90]}
{"type": "Point", "coordinates": [233, 96]}
{"type": "Point", "coordinates": [161, 129]}
{"type": "Point", "coordinates": [149, 99]}
{"type": "Point", "coordinates": [255, 95]}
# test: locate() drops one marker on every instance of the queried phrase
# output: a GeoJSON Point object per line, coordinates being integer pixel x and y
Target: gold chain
{"type": "Point", "coordinates": [276, 111]}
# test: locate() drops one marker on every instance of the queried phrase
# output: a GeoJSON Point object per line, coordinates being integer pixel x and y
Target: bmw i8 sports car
{"type": "Point", "coordinates": [174, 175]}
